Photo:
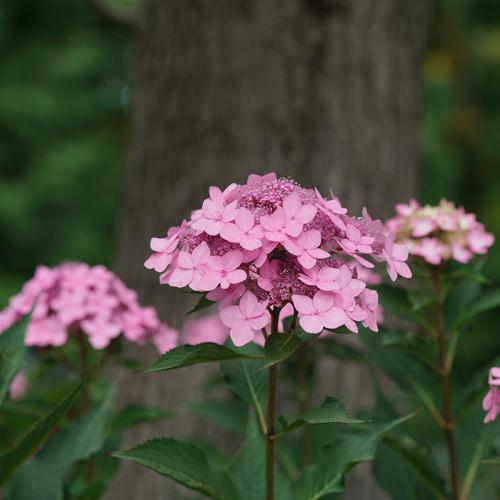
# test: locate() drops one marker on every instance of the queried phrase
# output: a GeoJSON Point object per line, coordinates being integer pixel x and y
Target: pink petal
{"type": "Point", "coordinates": [303, 304]}
{"type": "Point", "coordinates": [322, 301]}
{"type": "Point", "coordinates": [181, 277]}
{"type": "Point", "coordinates": [353, 233]}
{"type": "Point", "coordinates": [231, 316]}
{"type": "Point", "coordinates": [232, 260]}
{"type": "Point", "coordinates": [306, 261]}
{"type": "Point", "coordinates": [292, 204]}
{"type": "Point", "coordinates": [250, 243]}
{"type": "Point", "coordinates": [311, 324]}
{"type": "Point", "coordinates": [312, 239]}
{"type": "Point", "coordinates": [307, 213]}
{"type": "Point", "coordinates": [293, 247]}
{"type": "Point", "coordinates": [200, 253]}
{"type": "Point", "coordinates": [248, 304]}
{"type": "Point", "coordinates": [334, 318]}
{"type": "Point", "coordinates": [158, 244]}
{"type": "Point", "coordinates": [244, 219]}
{"type": "Point", "coordinates": [231, 232]}
{"type": "Point", "coordinates": [242, 335]}
{"type": "Point", "coordinates": [236, 276]}
{"type": "Point", "coordinates": [294, 228]}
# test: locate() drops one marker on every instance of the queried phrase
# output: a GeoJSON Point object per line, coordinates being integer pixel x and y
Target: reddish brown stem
{"type": "Point", "coordinates": [444, 373]}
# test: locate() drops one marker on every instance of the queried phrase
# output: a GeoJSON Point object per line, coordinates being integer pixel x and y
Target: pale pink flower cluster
{"type": "Point", "coordinates": [74, 297]}
{"type": "Point", "coordinates": [439, 233]}
{"type": "Point", "coordinates": [257, 247]}
{"type": "Point", "coordinates": [491, 402]}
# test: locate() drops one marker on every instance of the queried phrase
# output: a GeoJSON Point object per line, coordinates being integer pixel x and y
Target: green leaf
{"type": "Point", "coordinates": [133, 415]}
{"type": "Point", "coordinates": [492, 461]}
{"type": "Point", "coordinates": [337, 459]}
{"type": "Point", "coordinates": [330, 411]}
{"type": "Point", "coordinates": [417, 458]}
{"type": "Point", "coordinates": [36, 436]}
{"type": "Point", "coordinates": [12, 354]}
{"type": "Point", "coordinates": [486, 301]}
{"type": "Point", "coordinates": [43, 477]}
{"type": "Point", "coordinates": [248, 468]}
{"type": "Point", "coordinates": [185, 463]}
{"type": "Point", "coordinates": [202, 304]}
{"type": "Point", "coordinates": [187, 355]}
{"type": "Point", "coordinates": [280, 346]}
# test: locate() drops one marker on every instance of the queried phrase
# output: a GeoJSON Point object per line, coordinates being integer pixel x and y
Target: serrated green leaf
{"type": "Point", "coordinates": [327, 476]}
{"type": "Point", "coordinates": [330, 411]}
{"type": "Point", "coordinates": [187, 355]}
{"type": "Point", "coordinates": [185, 463]}
{"type": "Point", "coordinates": [43, 477]}
{"type": "Point", "coordinates": [12, 354]}
{"type": "Point", "coordinates": [279, 347]}
{"type": "Point", "coordinates": [36, 436]}
{"type": "Point", "coordinates": [248, 468]}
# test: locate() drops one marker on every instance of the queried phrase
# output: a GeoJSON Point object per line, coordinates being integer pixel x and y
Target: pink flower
{"type": "Point", "coordinates": [332, 208]}
{"type": "Point", "coordinates": [163, 249]}
{"type": "Point", "coordinates": [100, 331]}
{"type": "Point", "coordinates": [267, 273]}
{"type": "Point", "coordinates": [319, 312]}
{"type": "Point", "coordinates": [254, 179]}
{"type": "Point", "coordinates": [369, 300]}
{"type": "Point", "coordinates": [491, 402]}
{"type": "Point", "coordinates": [297, 214]}
{"type": "Point", "coordinates": [323, 278]}
{"type": "Point", "coordinates": [305, 248]}
{"type": "Point", "coordinates": [223, 271]}
{"type": "Point", "coordinates": [460, 253]}
{"type": "Point", "coordinates": [355, 242]}
{"type": "Point", "coordinates": [479, 241]}
{"type": "Point", "coordinates": [275, 226]}
{"type": "Point", "coordinates": [422, 227]}
{"type": "Point", "coordinates": [396, 256]}
{"type": "Point", "coordinates": [431, 250]}
{"type": "Point", "coordinates": [18, 386]}
{"type": "Point", "coordinates": [245, 319]}
{"type": "Point", "coordinates": [46, 331]}
{"type": "Point", "coordinates": [243, 231]}
{"type": "Point", "coordinates": [226, 297]}
{"type": "Point", "coordinates": [193, 269]}
{"type": "Point", "coordinates": [214, 215]}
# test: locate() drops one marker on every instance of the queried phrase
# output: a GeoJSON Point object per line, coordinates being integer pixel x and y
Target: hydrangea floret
{"type": "Point", "coordinates": [258, 247]}
{"type": "Point", "coordinates": [439, 233]}
{"type": "Point", "coordinates": [76, 298]}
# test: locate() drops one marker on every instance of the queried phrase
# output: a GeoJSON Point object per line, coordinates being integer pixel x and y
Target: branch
{"type": "Point", "coordinates": [117, 15]}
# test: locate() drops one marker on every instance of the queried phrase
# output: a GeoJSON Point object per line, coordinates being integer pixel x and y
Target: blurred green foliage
{"type": "Point", "coordinates": [63, 97]}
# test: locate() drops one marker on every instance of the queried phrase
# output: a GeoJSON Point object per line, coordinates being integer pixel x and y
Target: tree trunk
{"type": "Point", "coordinates": [326, 91]}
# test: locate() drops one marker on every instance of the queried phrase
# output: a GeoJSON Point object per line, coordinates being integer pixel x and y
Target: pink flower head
{"type": "Point", "coordinates": [274, 239]}
{"type": "Point", "coordinates": [439, 233]}
{"type": "Point", "coordinates": [76, 299]}
{"type": "Point", "coordinates": [208, 328]}
{"type": "Point", "coordinates": [165, 338]}
{"type": "Point", "coordinates": [396, 255]}
{"type": "Point", "coordinates": [243, 231]}
{"type": "Point", "coordinates": [245, 319]}
{"type": "Point", "coordinates": [491, 402]}
{"type": "Point", "coordinates": [319, 312]}
{"type": "Point", "coordinates": [306, 248]}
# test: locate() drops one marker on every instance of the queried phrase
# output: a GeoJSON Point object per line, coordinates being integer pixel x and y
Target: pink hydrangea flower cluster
{"type": "Point", "coordinates": [491, 402]}
{"type": "Point", "coordinates": [255, 248]}
{"type": "Point", "coordinates": [74, 297]}
{"type": "Point", "coordinates": [439, 233]}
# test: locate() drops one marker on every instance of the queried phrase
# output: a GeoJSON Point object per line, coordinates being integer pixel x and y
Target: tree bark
{"type": "Point", "coordinates": [325, 91]}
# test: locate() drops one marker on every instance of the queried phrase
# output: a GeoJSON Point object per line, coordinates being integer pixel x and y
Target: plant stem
{"type": "Point", "coordinates": [271, 416]}
{"type": "Point", "coordinates": [444, 370]}
{"type": "Point", "coordinates": [303, 395]}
